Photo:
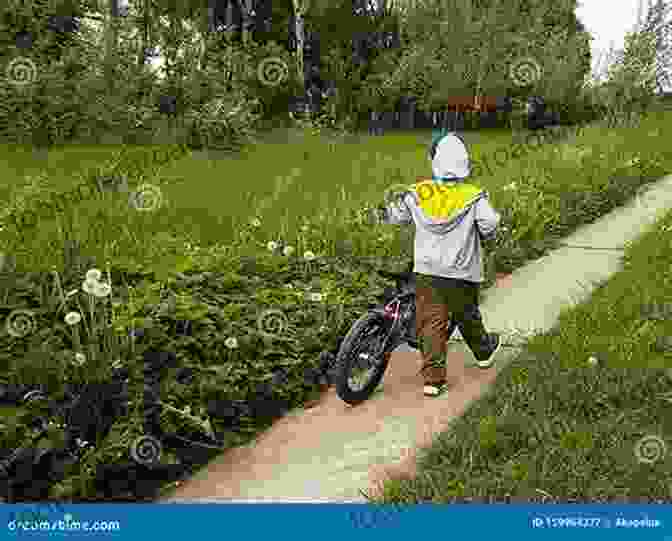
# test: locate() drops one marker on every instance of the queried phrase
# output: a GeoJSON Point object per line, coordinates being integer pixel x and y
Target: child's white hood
{"type": "Point", "coordinates": [451, 159]}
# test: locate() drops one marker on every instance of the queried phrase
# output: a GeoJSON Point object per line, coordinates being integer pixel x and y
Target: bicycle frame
{"type": "Point", "coordinates": [392, 311]}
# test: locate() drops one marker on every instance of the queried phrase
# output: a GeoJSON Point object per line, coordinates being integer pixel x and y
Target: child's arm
{"type": "Point", "coordinates": [487, 219]}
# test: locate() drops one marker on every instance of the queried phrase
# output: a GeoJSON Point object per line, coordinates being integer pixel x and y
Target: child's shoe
{"type": "Point", "coordinates": [435, 380]}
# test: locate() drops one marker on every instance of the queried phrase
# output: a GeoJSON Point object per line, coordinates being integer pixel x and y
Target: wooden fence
{"type": "Point", "coordinates": [460, 113]}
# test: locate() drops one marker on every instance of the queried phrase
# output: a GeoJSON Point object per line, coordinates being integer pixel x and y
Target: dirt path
{"type": "Point", "coordinates": [340, 449]}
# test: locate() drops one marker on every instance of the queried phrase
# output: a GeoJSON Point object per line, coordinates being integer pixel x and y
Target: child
{"type": "Point", "coordinates": [451, 217]}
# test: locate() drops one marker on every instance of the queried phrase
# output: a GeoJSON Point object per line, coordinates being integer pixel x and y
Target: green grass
{"type": "Point", "coordinates": [59, 162]}
{"type": "Point", "coordinates": [209, 201]}
{"type": "Point", "coordinates": [330, 180]}
{"type": "Point", "coordinates": [285, 185]}
{"type": "Point", "coordinates": [306, 181]}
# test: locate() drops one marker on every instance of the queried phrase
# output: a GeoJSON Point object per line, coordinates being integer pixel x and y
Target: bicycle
{"type": "Point", "coordinates": [374, 336]}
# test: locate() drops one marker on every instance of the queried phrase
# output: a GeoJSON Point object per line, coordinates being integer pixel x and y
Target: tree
{"type": "Point", "coordinates": [247, 10]}
{"type": "Point", "coordinates": [660, 30]}
{"type": "Point", "coordinates": [305, 15]}
{"type": "Point", "coordinates": [641, 69]}
{"type": "Point", "coordinates": [144, 25]}
{"type": "Point", "coordinates": [352, 46]}
{"type": "Point", "coordinates": [113, 21]}
{"type": "Point", "coordinates": [300, 7]}
{"type": "Point", "coordinates": [460, 48]}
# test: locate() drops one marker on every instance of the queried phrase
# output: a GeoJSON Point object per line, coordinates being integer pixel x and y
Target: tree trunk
{"type": "Point", "coordinates": [229, 15]}
{"type": "Point", "coordinates": [247, 10]}
{"type": "Point", "coordinates": [142, 58]}
{"type": "Point", "coordinates": [300, 43]}
{"type": "Point", "coordinates": [112, 42]}
{"type": "Point", "coordinates": [211, 23]}
{"type": "Point", "coordinates": [263, 20]}
{"type": "Point", "coordinates": [408, 114]}
{"type": "Point", "coordinates": [299, 32]}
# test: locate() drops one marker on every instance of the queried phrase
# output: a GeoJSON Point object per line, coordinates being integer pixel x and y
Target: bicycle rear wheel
{"type": "Point", "coordinates": [363, 351]}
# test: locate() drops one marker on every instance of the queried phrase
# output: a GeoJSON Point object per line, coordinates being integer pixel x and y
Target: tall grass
{"type": "Point", "coordinates": [211, 201]}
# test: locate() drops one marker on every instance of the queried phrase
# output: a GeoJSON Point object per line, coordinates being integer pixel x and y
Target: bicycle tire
{"type": "Point", "coordinates": [345, 359]}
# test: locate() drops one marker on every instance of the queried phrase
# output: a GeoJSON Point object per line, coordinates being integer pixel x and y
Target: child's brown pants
{"type": "Point", "coordinates": [440, 302]}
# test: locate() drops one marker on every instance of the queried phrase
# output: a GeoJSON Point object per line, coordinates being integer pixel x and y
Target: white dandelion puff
{"type": "Point", "coordinates": [72, 318]}
{"type": "Point", "coordinates": [102, 290]}
{"type": "Point", "coordinates": [94, 275]}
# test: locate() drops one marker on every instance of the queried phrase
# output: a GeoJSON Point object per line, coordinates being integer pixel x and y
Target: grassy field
{"type": "Point", "coordinates": [210, 200]}
{"type": "Point", "coordinates": [306, 193]}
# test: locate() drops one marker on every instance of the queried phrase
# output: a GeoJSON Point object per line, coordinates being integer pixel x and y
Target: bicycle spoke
{"type": "Point", "coordinates": [371, 341]}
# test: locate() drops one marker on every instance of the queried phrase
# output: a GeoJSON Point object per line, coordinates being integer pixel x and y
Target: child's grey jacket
{"type": "Point", "coordinates": [450, 215]}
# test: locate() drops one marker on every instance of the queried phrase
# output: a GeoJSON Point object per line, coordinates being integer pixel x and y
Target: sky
{"type": "Point", "coordinates": [609, 21]}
